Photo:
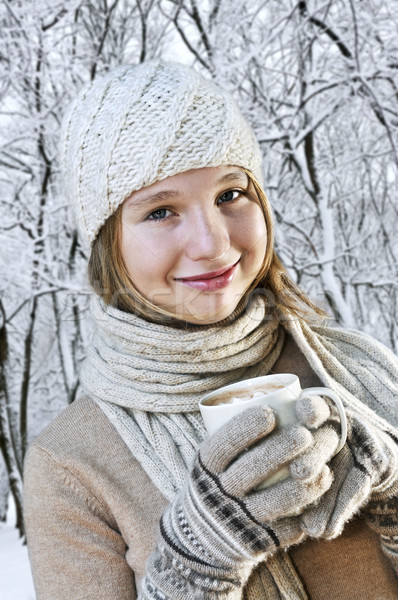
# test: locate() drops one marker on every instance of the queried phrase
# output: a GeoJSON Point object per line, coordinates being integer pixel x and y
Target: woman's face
{"type": "Point", "coordinates": [194, 242]}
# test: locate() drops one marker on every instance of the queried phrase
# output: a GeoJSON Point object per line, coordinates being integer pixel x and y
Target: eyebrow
{"type": "Point", "coordinates": [166, 195]}
{"type": "Point", "coordinates": [147, 201]}
{"type": "Point", "coordinates": [233, 176]}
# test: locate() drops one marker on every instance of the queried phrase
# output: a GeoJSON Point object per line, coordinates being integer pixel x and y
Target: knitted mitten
{"type": "Point", "coordinates": [218, 529]}
{"type": "Point", "coordinates": [367, 463]}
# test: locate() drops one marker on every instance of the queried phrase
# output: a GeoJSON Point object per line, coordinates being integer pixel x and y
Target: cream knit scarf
{"type": "Point", "coordinates": [148, 378]}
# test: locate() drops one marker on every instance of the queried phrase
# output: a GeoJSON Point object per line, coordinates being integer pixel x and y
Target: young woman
{"type": "Point", "coordinates": [125, 495]}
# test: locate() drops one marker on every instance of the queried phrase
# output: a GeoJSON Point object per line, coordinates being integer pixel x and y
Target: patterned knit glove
{"type": "Point", "coordinates": [382, 516]}
{"type": "Point", "coordinates": [321, 418]}
{"type": "Point", "coordinates": [367, 463]}
{"type": "Point", "coordinates": [218, 528]}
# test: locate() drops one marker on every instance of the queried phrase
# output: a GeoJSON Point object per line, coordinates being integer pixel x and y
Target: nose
{"type": "Point", "coordinates": [208, 237]}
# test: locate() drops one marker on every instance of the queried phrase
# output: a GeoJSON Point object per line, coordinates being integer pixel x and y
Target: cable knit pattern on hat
{"type": "Point", "coordinates": [140, 124]}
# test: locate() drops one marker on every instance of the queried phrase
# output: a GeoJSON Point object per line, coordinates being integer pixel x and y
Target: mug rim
{"type": "Point", "coordinates": [272, 376]}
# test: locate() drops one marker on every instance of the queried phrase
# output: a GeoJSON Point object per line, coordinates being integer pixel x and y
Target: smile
{"type": "Point", "coordinates": [212, 281]}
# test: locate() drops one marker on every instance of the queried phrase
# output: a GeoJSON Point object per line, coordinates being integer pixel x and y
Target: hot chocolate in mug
{"type": "Point", "coordinates": [280, 392]}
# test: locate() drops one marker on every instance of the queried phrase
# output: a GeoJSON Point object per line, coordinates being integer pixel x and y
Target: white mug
{"type": "Point", "coordinates": [280, 392]}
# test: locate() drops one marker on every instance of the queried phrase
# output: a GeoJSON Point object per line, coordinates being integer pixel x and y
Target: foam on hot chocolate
{"type": "Point", "coordinates": [236, 397]}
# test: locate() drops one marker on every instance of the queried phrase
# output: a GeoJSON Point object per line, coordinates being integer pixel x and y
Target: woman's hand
{"type": "Point", "coordinates": [367, 464]}
{"type": "Point", "coordinates": [219, 527]}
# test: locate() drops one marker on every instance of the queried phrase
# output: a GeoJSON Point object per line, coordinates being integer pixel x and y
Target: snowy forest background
{"type": "Point", "coordinates": [318, 80]}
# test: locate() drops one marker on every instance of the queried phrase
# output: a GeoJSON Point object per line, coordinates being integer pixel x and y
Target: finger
{"type": "Point", "coordinates": [312, 411]}
{"type": "Point", "coordinates": [315, 519]}
{"type": "Point", "coordinates": [288, 531]}
{"type": "Point", "coordinates": [310, 464]}
{"type": "Point", "coordinates": [235, 436]}
{"type": "Point", "coordinates": [290, 497]}
{"type": "Point", "coordinates": [258, 463]}
{"type": "Point", "coordinates": [353, 494]}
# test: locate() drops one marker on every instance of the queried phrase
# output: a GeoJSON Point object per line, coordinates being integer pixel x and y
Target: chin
{"type": "Point", "coordinates": [208, 317]}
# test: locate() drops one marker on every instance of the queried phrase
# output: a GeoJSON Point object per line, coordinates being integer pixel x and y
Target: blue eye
{"type": "Point", "coordinates": [229, 196]}
{"type": "Point", "coordinates": [158, 215]}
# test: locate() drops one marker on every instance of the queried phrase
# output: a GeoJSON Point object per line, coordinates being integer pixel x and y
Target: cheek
{"type": "Point", "coordinates": [146, 261]}
{"type": "Point", "coordinates": [260, 239]}
{"type": "Point", "coordinates": [253, 234]}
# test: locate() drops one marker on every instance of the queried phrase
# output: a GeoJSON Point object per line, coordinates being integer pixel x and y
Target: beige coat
{"type": "Point", "coordinates": [92, 516]}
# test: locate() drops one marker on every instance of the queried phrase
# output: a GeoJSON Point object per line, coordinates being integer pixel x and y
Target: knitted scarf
{"type": "Point", "coordinates": [147, 378]}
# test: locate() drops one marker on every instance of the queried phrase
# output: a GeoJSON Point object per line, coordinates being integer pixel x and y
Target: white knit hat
{"type": "Point", "coordinates": [140, 124]}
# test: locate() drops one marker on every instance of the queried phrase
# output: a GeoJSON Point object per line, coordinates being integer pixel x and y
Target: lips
{"type": "Point", "coordinates": [211, 281]}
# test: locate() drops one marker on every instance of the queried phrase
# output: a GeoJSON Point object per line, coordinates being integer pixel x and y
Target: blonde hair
{"type": "Point", "coordinates": [109, 277]}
